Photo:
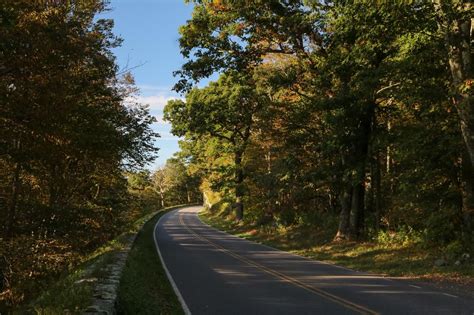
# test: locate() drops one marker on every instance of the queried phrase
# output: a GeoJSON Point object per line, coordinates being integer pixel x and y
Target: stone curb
{"type": "Point", "coordinates": [105, 290]}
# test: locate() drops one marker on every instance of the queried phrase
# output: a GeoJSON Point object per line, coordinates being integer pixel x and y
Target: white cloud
{"type": "Point", "coordinates": [156, 102]}
{"type": "Point", "coordinates": [167, 136]}
{"type": "Point", "coordinates": [160, 121]}
{"type": "Point", "coordinates": [155, 96]}
{"type": "Point", "coordinates": [155, 88]}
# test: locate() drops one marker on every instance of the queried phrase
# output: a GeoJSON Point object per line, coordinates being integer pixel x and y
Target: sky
{"type": "Point", "coordinates": [150, 49]}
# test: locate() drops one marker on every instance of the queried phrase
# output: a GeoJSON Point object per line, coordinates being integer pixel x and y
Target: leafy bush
{"type": "Point", "coordinates": [403, 237]}
{"type": "Point", "coordinates": [443, 227]}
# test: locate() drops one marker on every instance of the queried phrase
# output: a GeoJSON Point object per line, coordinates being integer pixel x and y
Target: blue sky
{"type": "Point", "coordinates": [149, 29]}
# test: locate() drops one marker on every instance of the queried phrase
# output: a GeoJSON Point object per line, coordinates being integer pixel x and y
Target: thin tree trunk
{"type": "Point", "coordinates": [97, 192]}
{"type": "Point", "coordinates": [269, 209]}
{"type": "Point", "coordinates": [53, 187]}
{"type": "Point", "coordinates": [188, 194]}
{"type": "Point", "coordinates": [161, 192]}
{"type": "Point", "coordinates": [12, 206]}
{"type": "Point", "coordinates": [467, 190]}
{"type": "Point", "coordinates": [377, 191]}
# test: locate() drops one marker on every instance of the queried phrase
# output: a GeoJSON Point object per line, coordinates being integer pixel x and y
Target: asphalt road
{"type": "Point", "coordinates": [217, 273]}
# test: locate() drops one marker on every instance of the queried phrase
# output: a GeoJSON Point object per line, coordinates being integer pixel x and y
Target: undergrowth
{"type": "Point", "coordinates": [387, 253]}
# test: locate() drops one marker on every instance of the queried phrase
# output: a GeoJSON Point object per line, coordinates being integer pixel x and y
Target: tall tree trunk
{"type": "Point", "coordinates": [457, 28]}
{"type": "Point", "coordinates": [239, 178]}
{"type": "Point", "coordinates": [270, 204]}
{"type": "Point", "coordinates": [456, 23]}
{"type": "Point", "coordinates": [357, 216]}
{"type": "Point", "coordinates": [357, 211]}
{"type": "Point", "coordinates": [53, 186]}
{"type": "Point", "coordinates": [12, 205]}
{"type": "Point", "coordinates": [344, 217]}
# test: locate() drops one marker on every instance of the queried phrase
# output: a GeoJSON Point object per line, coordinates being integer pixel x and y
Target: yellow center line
{"type": "Point", "coordinates": [348, 304]}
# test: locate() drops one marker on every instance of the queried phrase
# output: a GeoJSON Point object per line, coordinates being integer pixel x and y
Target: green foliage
{"type": "Point", "coordinates": [442, 227]}
{"type": "Point", "coordinates": [73, 291]}
{"type": "Point", "coordinates": [67, 133]}
{"type": "Point", "coordinates": [360, 117]}
{"type": "Point", "coordinates": [139, 180]}
{"type": "Point", "coordinates": [225, 111]}
{"type": "Point", "coordinates": [175, 184]}
{"type": "Point", "coordinates": [405, 236]}
{"type": "Point", "coordinates": [454, 250]}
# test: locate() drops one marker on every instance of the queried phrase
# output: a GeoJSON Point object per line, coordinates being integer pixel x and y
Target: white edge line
{"type": "Point", "coordinates": [450, 295]}
{"type": "Point", "coordinates": [168, 274]}
{"type": "Point", "coordinates": [414, 286]}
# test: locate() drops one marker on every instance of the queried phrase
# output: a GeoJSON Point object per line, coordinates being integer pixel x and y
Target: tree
{"type": "Point", "coordinates": [225, 110]}
{"type": "Point", "coordinates": [353, 94]}
{"type": "Point", "coordinates": [67, 132]}
{"type": "Point", "coordinates": [175, 184]}
{"type": "Point", "coordinates": [455, 24]}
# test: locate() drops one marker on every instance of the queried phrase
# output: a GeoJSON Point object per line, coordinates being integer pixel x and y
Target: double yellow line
{"type": "Point", "coordinates": [348, 304]}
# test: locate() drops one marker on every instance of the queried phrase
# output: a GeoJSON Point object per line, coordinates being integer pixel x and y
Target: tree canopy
{"type": "Point", "coordinates": [363, 111]}
{"type": "Point", "coordinates": [68, 131]}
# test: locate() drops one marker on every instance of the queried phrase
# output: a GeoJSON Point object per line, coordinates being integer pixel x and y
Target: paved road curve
{"type": "Point", "coordinates": [217, 273]}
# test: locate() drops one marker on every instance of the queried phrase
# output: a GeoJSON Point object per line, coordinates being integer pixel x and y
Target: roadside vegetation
{"type": "Point", "coordinates": [400, 254]}
{"type": "Point", "coordinates": [144, 286]}
{"type": "Point", "coordinates": [73, 145]}
{"type": "Point", "coordinates": [69, 133]}
{"type": "Point", "coordinates": [343, 130]}
{"type": "Point", "coordinates": [72, 293]}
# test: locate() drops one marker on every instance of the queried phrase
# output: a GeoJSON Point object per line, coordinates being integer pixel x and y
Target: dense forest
{"type": "Point", "coordinates": [73, 144]}
{"type": "Point", "coordinates": [353, 112]}
{"type": "Point", "coordinates": [355, 116]}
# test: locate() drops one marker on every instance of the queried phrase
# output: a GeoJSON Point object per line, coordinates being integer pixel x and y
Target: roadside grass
{"type": "Point", "coordinates": [408, 260]}
{"type": "Point", "coordinates": [72, 293]}
{"type": "Point", "coordinates": [67, 296]}
{"type": "Point", "coordinates": [144, 286]}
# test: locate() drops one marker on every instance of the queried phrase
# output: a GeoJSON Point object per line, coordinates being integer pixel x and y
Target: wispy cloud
{"type": "Point", "coordinates": [156, 102]}
{"type": "Point", "coordinates": [166, 136]}
{"type": "Point", "coordinates": [156, 97]}
{"type": "Point", "coordinates": [155, 88]}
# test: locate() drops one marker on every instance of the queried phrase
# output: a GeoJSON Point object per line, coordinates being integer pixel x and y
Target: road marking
{"type": "Point", "coordinates": [415, 286]}
{"type": "Point", "coordinates": [348, 304]}
{"type": "Point", "coordinates": [168, 274]}
{"type": "Point", "coordinates": [279, 250]}
{"type": "Point", "coordinates": [450, 295]}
